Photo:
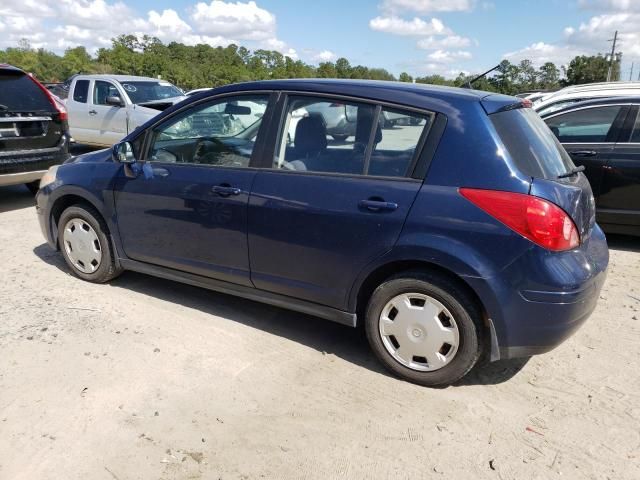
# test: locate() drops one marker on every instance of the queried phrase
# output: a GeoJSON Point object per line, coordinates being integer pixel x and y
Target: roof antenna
{"type": "Point", "coordinates": [470, 83]}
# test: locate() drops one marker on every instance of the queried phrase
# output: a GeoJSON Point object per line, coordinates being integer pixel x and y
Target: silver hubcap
{"type": "Point", "coordinates": [82, 245]}
{"type": "Point", "coordinates": [419, 332]}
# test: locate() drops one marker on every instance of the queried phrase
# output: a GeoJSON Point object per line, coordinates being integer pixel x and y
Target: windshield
{"type": "Point", "coordinates": [150, 91]}
{"type": "Point", "coordinates": [532, 146]}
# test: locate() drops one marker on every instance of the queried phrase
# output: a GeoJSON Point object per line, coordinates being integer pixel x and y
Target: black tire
{"type": "Point", "coordinates": [33, 186]}
{"type": "Point", "coordinates": [107, 270]}
{"type": "Point", "coordinates": [340, 137]}
{"type": "Point", "coordinates": [450, 294]}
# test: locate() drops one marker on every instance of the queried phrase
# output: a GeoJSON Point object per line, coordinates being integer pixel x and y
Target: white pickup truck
{"type": "Point", "coordinates": [105, 108]}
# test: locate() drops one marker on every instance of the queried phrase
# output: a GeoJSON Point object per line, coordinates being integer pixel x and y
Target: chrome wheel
{"type": "Point", "coordinates": [82, 245]}
{"type": "Point", "coordinates": [419, 332]}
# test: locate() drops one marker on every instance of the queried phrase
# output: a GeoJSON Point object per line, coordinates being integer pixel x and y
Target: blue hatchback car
{"type": "Point", "coordinates": [466, 230]}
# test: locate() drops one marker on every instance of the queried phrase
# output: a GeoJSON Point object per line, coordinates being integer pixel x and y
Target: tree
{"type": "Point", "coordinates": [527, 76]}
{"type": "Point", "coordinates": [548, 76]}
{"type": "Point", "coordinates": [588, 69]}
{"type": "Point", "coordinates": [343, 68]}
{"type": "Point", "coordinates": [405, 77]}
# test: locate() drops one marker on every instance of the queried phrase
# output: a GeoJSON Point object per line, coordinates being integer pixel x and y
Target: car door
{"type": "Point", "coordinates": [322, 209]}
{"type": "Point", "coordinates": [187, 209]}
{"type": "Point", "coordinates": [588, 135]}
{"type": "Point", "coordinates": [78, 107]}
{"type": "Point", "coordinates": [619, 202]}
{"type": "Point", "coordinates": [107, 123]}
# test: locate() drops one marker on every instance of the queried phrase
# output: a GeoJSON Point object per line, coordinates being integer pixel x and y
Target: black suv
{"type": "Point", "coordinates": [33, 129]}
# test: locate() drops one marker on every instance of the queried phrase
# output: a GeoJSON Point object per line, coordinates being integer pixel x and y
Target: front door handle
{"type": "Point", "coordinates": [225, 190]}
{"type": "Point", "coordinates": [584, 153]}
{"type": "Point", "coordinates": [160, 172]}
{"type": "Point", "coordinates": [374, 205]}
{"type": "Point", "coordinates": [92, 112]}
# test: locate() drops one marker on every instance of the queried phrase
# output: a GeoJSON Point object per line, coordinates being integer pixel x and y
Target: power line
{"type": "Point", "coordinates": [613, 53]}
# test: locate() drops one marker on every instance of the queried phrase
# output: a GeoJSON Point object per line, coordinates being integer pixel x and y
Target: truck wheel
{"type": "Point", "coordinates": [424, 328]}
{"type": "Point", "coordinates": [84, 242]}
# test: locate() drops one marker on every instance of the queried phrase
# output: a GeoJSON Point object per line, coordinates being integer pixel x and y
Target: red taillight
{"type": "Point", "coordinates": [526, 103]}
{"type": "Point", "coordinates": [55, 101]}
{"type": "Point", "coordinates": [539, 220]}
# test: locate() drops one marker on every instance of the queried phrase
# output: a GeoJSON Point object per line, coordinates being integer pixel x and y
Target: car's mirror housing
{"type": "Point", "coordinates": [114, 101]}
{"type": "Point", "coordinates": [123, 153]}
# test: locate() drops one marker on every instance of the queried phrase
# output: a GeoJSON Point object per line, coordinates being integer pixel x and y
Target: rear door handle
{"type": "Point", "coordinates": [377, 205]}
{"type": "Point", "coordinates": [92, 112]}
{"type": "Point", "coordinates": [160, 172]}
{"type": "Point", "coordinates": [226, 190]}
{"type": "Point", "coordinates": [584, 153]}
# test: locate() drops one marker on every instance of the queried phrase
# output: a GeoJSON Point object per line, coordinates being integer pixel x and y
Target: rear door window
{"type": "Point", "coordinates": [587, 125]}
{"type": "Point", "coordinates": [343, 137]}
{"type": "Point", "coordinates": [635, 135]}
{"type": "Point", "coordinates": [532, 147]}
{"type": "Point", "coordinates": [18, 93]}
{"type": "Point", "coordinates": [81, 91]}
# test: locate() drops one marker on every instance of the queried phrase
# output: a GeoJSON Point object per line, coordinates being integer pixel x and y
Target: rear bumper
{"type": "Point", "coordinates": [552, 298]}
{"type": "Point", "coordinates": [22, 177]}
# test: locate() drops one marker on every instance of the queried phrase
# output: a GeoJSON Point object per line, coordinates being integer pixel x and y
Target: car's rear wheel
{"type": "Point", "coordinates": [85, 244]}
{"type": "Point", "coordinates": [425, 328]}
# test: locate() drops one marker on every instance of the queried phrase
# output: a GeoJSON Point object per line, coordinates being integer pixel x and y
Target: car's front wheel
{"type": "Point", "coordinates": [425, 328]}
{"type": "Point", "coordinates": [85, 244]}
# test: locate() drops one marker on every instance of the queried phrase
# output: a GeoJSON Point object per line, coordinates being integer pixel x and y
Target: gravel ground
{"type": "Point", "coordinates": [148, 379]}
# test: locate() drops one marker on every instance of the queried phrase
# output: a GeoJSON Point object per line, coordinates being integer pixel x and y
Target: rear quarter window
{"type": "Point", "coordinates": [532, 147]}
{"type": "Point", "coordinates": [18, 93]}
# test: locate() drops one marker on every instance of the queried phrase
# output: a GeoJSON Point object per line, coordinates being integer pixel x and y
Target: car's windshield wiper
{"type": "Point", "coordinates": [571, 172]}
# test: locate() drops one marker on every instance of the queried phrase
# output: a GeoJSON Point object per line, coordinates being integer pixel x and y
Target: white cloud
{"type": "Point", "coordinates": [428, 6]}
{"type": "Point", "coordinates": [59, 24]}
{"type": "Point", "coordinates": [445, 56]}
{"type": "Point", "coordinates": [609, 5]}
{"type": "Point", "coordinates": [245, 21]}
{"type": "Point", "coordinates": [415, 27]}
{"type": "Point", "coordinates": [450, 41]}
{"type": "Point", "coordinates": [541, 52]}
{"type": "Point", "coordinates": [325, 56]}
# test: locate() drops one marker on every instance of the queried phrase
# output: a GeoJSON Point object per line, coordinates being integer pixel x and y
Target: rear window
{"type": "Point", "coordinates": [81, 91]}
{"type": "Point", "coordinates": [534, 150]}
{"type": "Point", "coordinates": [18, 93]}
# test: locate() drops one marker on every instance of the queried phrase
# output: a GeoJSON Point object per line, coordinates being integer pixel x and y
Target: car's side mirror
{"type": "Point", "coordinates": [114, 101]}
{"type": "Point", "coordinates": [123, 153]}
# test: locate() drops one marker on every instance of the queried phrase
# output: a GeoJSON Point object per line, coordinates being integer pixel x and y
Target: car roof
{"type": "Point", "coordinates": [431, 97]}
{"type": "Point", "coordinates": [119, 78]}
{"type": "Point", "coordinates": [595, 102]}
{"type": "Point", "coordinates": [6, 66]}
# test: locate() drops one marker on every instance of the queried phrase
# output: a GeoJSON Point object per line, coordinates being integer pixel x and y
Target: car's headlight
{"type": "Point", "coordinates": [49, 177]}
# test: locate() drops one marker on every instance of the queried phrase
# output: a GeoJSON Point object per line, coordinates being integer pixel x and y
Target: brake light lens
{"type": "Point", "coordinates": [55, 101]}
{"type": "Point", "coordinates": [542, 222]}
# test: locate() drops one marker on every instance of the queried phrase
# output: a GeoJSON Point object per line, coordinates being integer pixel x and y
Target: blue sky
{"type": "Point", "coordinates": [417, 36]}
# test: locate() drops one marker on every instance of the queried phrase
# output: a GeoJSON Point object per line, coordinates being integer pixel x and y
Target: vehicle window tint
{"type": "Point", "coordinates": [395, 144]}
{"type": "Point", "coordinates": [102, 90]}
{"type": "Point", "coordinates": [222, 133]}
{"type": "Point", "coordinates": [584, 126]}
{"type": "Point", "coordinates": [635, 136]}
{"type": "Point", "coordinates": [530, 144]}
{"type": "Point", "coordinates": [81, 91]}
{"type": "Point", "coordinates": [333, 136]}
{"type": "Point", "coordinates": [18, 93]}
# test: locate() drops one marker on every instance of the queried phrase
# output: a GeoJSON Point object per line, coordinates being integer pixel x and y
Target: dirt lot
{"type": "Point", "coordinates": [149, 379]}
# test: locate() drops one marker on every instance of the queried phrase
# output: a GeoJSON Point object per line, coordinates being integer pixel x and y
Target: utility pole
{"type": "Point", "coordinates": [613, 57]}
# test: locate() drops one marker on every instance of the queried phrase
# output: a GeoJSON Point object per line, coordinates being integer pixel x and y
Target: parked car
{"type": "Point", "coordinates": [603, 135]}
{"type": "Point", "coordinates": [33, 129]}
{"type": "Point", "coordinates": [578, 93]}
{"type": "Point", "coordinates": [473, 233]}
{"type": "Point", "coordinates": [105, 108]}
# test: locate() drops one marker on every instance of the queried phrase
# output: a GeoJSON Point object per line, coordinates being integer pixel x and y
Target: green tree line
{"type": "Point", "coordinates": [206, 66]}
